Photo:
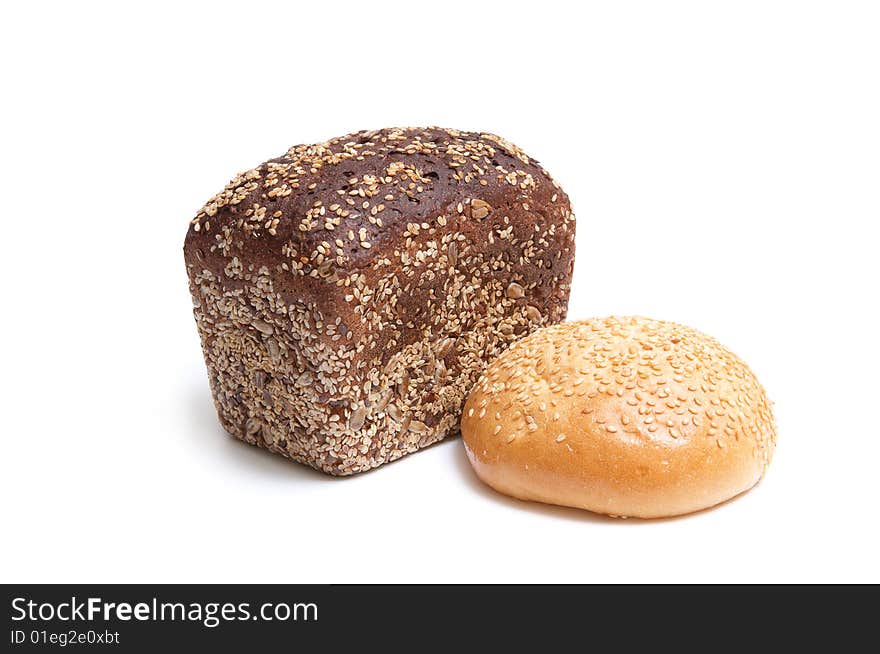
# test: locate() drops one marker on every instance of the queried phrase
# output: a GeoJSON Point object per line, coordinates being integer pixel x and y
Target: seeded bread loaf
{"type": "Point", "coordinates": [348, 294]}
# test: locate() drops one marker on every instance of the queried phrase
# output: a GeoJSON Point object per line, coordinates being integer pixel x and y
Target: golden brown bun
{"type": "Point", "coordinates": [625, 416]}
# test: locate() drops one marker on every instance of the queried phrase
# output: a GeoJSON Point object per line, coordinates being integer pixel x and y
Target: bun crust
{"type": "Point", "coordinates": [624, 416]}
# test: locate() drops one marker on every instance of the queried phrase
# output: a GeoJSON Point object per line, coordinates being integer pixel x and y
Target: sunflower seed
{"type": "Point", "coordinates": [403, 385]}
{"type": "Point", "coordinates": [357, 417]}
{"type": "Point", "coordinates": [515, 291]}
{"type": "Point", "coordinates": [252, 426]}
{"type": "Point", "coordinates": [274, 350]}
{"type": "Point", "coordinates": [394, 413]}
{"type": "Point", "coordinates": [418, 427]}
{"type": "Point", "coordinates": [532, 313]}
{"type": "Point", "coordinates": [452, 253]}
{"type": "Point", "coordinates": [263, 327]}
{"type": "Point", "coordinates": [444, 347]}
{"type": "Point", "coordinates": [384, 399]}
{"type": "Point", "coordinates": [480, 209]}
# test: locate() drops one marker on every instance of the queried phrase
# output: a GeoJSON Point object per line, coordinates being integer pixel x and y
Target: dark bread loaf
{"type": "Point", "coordinates": [348, 294]}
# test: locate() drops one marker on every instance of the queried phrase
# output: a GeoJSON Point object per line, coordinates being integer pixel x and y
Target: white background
{"type": "Point", "coordinates": [724, 163]}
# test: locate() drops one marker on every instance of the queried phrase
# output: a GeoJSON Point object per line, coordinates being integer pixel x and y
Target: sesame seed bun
{"type": "Point", "coordinates": [625, 416]}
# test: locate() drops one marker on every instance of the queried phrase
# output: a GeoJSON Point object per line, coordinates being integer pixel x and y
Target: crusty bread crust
{"type": "Point", "coordinates": [349, 293]}
{"type": "Point", "coordinates": [622, 416]}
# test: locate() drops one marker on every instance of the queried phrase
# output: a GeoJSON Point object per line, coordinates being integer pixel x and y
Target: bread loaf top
{"type": "Point", "coordinates": [322, 211]}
